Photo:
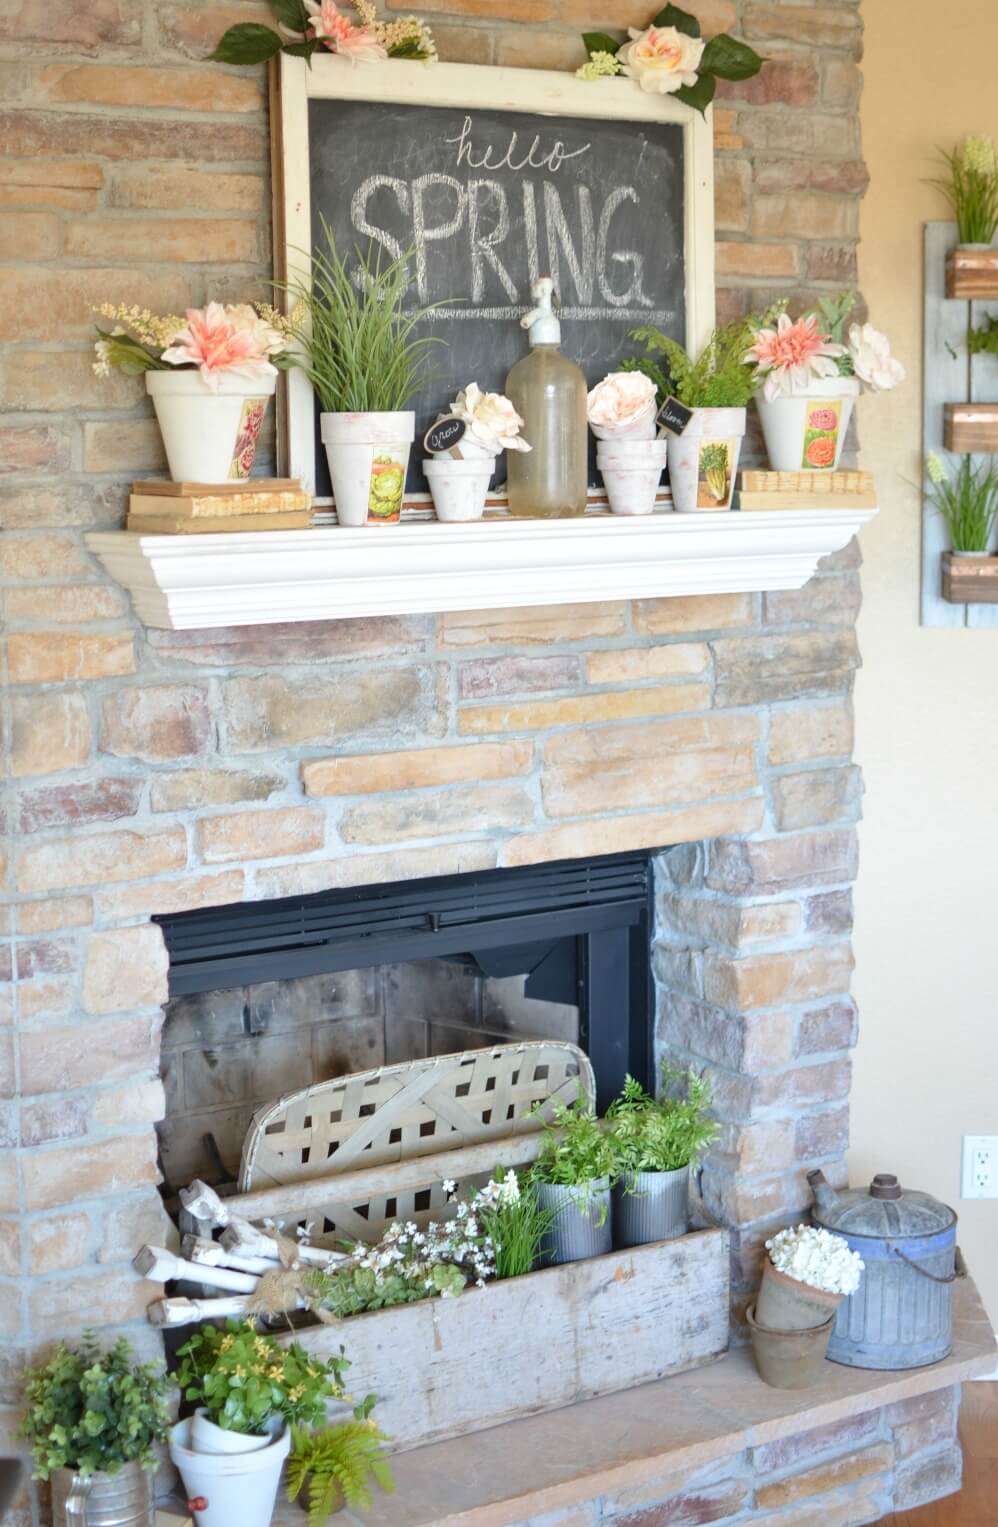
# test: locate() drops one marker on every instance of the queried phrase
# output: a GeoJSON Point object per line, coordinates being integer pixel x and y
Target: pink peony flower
{"type": "Point", "coordinates": [341, 35]}
{"type": "Point", "coordinates": [213, 343]}
{"type": "Point", "coordinates": [789, 355]}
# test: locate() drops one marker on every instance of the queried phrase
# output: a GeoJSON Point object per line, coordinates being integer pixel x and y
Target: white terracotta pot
{"type": "Point", "coordinates": [699, 484]}
{"type": "Point", "coordinates": [206, 1437]}
{"type": "Point", "coordinates": [642, 427]}
{"type": "Point", "coordinates": [805, 429]}
{"type": "Point", "coordinates": [368, 457]}
{"type": "Point", "coordinates": [209, 435]}
{"type": "Point", "coordinates": [459, 488]}
{"type": "Point", "coordinates": [237, 1489]}
{"type": "Point", "coordinates": [631, 471]}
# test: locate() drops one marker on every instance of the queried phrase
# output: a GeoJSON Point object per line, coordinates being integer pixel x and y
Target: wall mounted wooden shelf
{"type": "Point", "coordinates": [972, 274]}
{"type": "Point", "coordinates": [970, 580]}
{"type": "Point", "coordinates": [192, 582]}
{"type": "Point", "coordinates": [970, 427]}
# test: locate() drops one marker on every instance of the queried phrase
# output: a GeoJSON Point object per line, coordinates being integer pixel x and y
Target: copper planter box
{"type": "Point", "coordinates": [970, 427]}
{"type": "Point", "coordinates": [972, 273]}
{"type": "Point", "coordinates": [970, 580]}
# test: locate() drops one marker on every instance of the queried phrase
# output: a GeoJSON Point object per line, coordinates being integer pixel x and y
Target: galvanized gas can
{"type": "Point", "coordinates": [901, 1316]}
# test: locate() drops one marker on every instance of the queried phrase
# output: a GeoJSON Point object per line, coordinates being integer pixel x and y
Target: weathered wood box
{"type": "Point", "coordinates": [518, 1347]}
{"type": "Point", "coordinates": [970, 580]}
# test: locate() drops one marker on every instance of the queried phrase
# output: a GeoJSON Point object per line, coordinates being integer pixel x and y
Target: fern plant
{"type": "Point", "coordinates": [661, 1134]}
{"type": "Point", "coordinates": [717, 378]}
{"type": "Point", "coordinates": [339, 1460]}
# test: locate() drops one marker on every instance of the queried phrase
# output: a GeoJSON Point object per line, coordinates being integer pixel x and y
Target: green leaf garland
{"type": "Point", "coordinates": [730, 59]}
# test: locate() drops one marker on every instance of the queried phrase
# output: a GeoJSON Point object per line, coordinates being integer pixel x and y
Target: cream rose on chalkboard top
{"type": "Point", "coordinates": [661, 59]}
{"type": "Point", "coordinates": [671, 58]}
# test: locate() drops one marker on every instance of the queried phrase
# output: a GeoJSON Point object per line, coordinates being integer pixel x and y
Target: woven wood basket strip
{"type": "Point", "coordinates": [398, 1113]}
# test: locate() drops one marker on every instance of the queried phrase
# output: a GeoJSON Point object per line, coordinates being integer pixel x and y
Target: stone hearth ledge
{"type": "Point", "coordinates": [566, 1458]}
{"type": "Point", "coordinates": [190, 582]}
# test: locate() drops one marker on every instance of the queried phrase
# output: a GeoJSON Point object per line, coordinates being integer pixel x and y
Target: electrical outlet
{"type": "Point", "coordinates": [980, 1166]}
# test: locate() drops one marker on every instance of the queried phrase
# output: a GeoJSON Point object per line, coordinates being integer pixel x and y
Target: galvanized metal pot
{"type": "Point", "coordinates": [582, 1226]}
{"type": "Point", "coordinates": [901, 1316]}
{"type": "Point", "coordinates": [651, 1206]}
{"type": "Point", "coordinates": [103, 1500]}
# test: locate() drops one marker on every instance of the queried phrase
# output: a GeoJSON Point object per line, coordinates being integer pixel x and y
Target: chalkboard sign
{"type": "Point", "coordinates": [494, 177]}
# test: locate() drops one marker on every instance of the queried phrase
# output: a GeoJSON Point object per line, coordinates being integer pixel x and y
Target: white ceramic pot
{"type": "Point", "coordinates": [206, 1437]}
{"type": "Point", "coordinates": [805, 429]}
{"type": "Point", "coordinates": [230, 1488]}
{"type": "Point", "coordinates": [631, 471]}
{"type": "Point", "coordinates": [459, 488]}
{"type": "Point", "coordinates": [703, 460]}
{"type": "Point", "coordinates": [209, 434]}
{"type": "Point", "coordinates": [643, 426]}
{"type": "Point", "coordinates": [368, 457]}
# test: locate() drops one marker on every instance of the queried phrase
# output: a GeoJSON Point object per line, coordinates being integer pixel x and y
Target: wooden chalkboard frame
{"type": "Point", "coordinates": [399, 82]}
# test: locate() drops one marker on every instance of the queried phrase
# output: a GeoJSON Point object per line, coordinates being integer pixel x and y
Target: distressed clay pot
{"type": "Point", "coordinates": [805, 429]}
{"type": "Point", "coordinates": [209, 434]}
{"type": "Point", "coordinates": [632, 471]}
{"type": "Point", "coordinates": [103, 1500]}
{"type": "Point", "coordinates": [459, 488]}
{"type": "Point", "coordinates": [368, 456]}
{"type": "Point", "coordinates": [786, 1304]}
{"type": "Point", "coordinates": [651, 1206]}
{"type": "Point", "coordinates": [789, 1359]}
{"type": "Point", "coordinates": [582, 1226]}
{"type": "Point", "coordinates": [703, 460]}
{"type": "Point", "coordinates": [230, 1488]}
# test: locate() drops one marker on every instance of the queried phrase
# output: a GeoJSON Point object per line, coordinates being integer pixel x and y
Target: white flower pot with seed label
{"type": "Point", "coordinates": [703, 460]}
{"type": "Point", "coordinates": [805, 429]}
{"type": "Point", "coordinates": [210, 434]}
{"type": "Point", "coordinates": [632, 471]}
{"type": "Point", "coordinates": [460, 488]}
{"type": "Point", "coordinates": [368, 456]}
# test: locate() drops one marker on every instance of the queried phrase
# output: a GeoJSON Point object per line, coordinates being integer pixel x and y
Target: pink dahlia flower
{"type": "Point", "coordinates": [213, 343]}
{"type": "Point", "coordinates": [341, 35]}
{"type": "Point", "coordinates": [789, 355]}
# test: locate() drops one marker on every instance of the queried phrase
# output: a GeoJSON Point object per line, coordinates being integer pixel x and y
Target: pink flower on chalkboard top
{"type": "Point", "coordinates": [213, 343]}
{"type": "Point", "coordinates": [340, 35]}
{"type": "Point", "coordinates": [789, 355]}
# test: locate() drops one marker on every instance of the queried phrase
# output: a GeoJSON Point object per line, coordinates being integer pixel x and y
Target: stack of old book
{"type": "Point", "coordinates": [158, 507]}
{"type": "Point", "coordinates": [808, 490]}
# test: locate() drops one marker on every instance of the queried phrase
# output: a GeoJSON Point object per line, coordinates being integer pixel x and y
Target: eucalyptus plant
{"type": "Point", "coordinates": [661, 1134]}
{"type": "Point", "coordinates": [94, 1411]}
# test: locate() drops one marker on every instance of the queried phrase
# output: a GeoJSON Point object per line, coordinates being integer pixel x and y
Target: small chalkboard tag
{"type": "Point", "coordinates": [673, 416]}
{"type": "Point", "coordinates": [443, 436]}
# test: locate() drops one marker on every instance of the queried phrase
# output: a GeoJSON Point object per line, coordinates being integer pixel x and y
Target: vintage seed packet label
{"type": "Point", "coordinates": [715, 477]}
{"type": "Point", "coordinates": [821, 435]}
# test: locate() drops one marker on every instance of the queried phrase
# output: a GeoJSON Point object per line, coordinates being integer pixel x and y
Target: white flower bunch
{"type": "Point", "coordinates": [412, 1253]}
{"type": "Point", "coordinates": [816, 1257]}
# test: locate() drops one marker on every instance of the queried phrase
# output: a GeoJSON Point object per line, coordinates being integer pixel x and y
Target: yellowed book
{"type": "Point", "coordinates": [164, 486]}
{"type": "Point", "coordinates": [218, 505]}
{"type": "Point", "coordinates": [169, 524]}
{"type": "Point", "coordinates": [804, 484]}
{"type": "Point", "coordinates": [749, 501]}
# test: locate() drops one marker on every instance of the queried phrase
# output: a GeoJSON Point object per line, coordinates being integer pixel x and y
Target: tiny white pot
{"type": "Point", "coordinates": [805, 429]}
{"type": "Point", "coordinates": [642, 427]}
{"type": "Point", "coordinates": [230, 1488]}
{"type": "Point", "coordinates": [368, 457]}
{"type": "Point", "coordinates": [209, 434]}
{"type": "Point", "coordinates": [459, 488]}
{"type": "Point", "coordinates": [703, 460]}
{"type": "Point", "coordinates": [632, 471]}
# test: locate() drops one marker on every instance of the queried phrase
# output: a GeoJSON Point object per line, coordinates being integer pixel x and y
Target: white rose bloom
{"type": "Point", "coordinates": [872, 359]}
{"type": "Point", "coordinates": [624, 403]}
{"type": "Point", "coordinates": [266, 339]}
{"type": "Point", "coordinates": [491, 419]}
{"type": "Point", "coordinates": [661, 59]}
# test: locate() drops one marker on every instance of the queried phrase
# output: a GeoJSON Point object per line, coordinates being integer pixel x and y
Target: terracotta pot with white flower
{"type": "Point", "coordinates": [357, 344]}
{"type": "Point", "coordinates": [459, 474]}
{"type": "Point", "coordinates": [210, 378]}
{"type": "Point", "coordinates": [811, 379]}
{"type": "Point", "coordinates": [622, 412]}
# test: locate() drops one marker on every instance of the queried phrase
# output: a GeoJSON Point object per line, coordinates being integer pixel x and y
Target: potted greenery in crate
{"type": "Point", "coordinates": [717, 386]}
{"type": "Point", "coordinates": [357, 345]}
{"type": "Point", "coordinates": [93, 1420]}
{"type": "Point", "coordinates": [248, 1391]}
{"type": "Point", "coordinates": [573, 1176]}
{"type": "Point", "coordinates": [656, 1141]}
{"type": "Point", "coordinates": [967, 502]}
{"type": "Point", "coordinates": [334, 1467]}
{"type": "Point", "coordinates": [970, 185]}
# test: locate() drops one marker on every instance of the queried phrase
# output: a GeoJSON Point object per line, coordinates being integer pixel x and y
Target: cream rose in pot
{"type": "Point", "coordinates": [624, 404]}
{"type": "Point", "coordinates": [661, 59]}
{"type": "Point", "coordinates": [493, 423]}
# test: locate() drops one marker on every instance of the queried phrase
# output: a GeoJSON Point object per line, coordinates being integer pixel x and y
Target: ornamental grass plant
{"type": "Point", "coordinates": [966, 500]}
{"type": "Point", "coordinates": [971, 188]}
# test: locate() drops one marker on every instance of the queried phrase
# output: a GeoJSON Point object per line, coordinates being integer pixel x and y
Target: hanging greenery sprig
{"type": "Point", "coordinates": [670, 57]}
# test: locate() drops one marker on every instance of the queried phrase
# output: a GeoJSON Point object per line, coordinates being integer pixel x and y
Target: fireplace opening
{"type": "Point", "coordinates": [270, 997]}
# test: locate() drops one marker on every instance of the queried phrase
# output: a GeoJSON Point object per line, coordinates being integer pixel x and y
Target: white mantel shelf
{"type": "Point", "coordinates": [190, 582]}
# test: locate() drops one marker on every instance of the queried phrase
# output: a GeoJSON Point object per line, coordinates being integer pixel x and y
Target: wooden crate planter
{"type": "Point", "coordinates": [516, 1348]}
{"type": "Point", "coordinates": [970, 427]}
{"type": "Point", "coordinates": [972, 273]}
{"type": "Point", "coordinates": [970, 580]}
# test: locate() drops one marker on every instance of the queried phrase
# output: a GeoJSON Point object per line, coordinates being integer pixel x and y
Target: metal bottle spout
{"type": "Point", "coordinates": [825, 1195]}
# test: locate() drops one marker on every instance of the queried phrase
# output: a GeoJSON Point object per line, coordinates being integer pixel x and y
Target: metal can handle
{"type": "Point", "coordinates": [959, 1269]}
{"type": "Point", "coordinates": [76, 1501]}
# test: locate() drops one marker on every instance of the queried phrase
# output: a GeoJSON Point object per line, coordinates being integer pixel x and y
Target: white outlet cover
{"type": "Point", "coordinates": [979, 1176]}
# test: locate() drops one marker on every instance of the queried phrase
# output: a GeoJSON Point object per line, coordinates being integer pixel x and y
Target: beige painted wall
{"type": "Point", "coordinates": [927, 700]}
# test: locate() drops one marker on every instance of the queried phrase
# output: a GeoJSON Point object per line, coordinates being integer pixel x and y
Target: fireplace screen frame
{"type": "Point", "coordinates": [582, 927]}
